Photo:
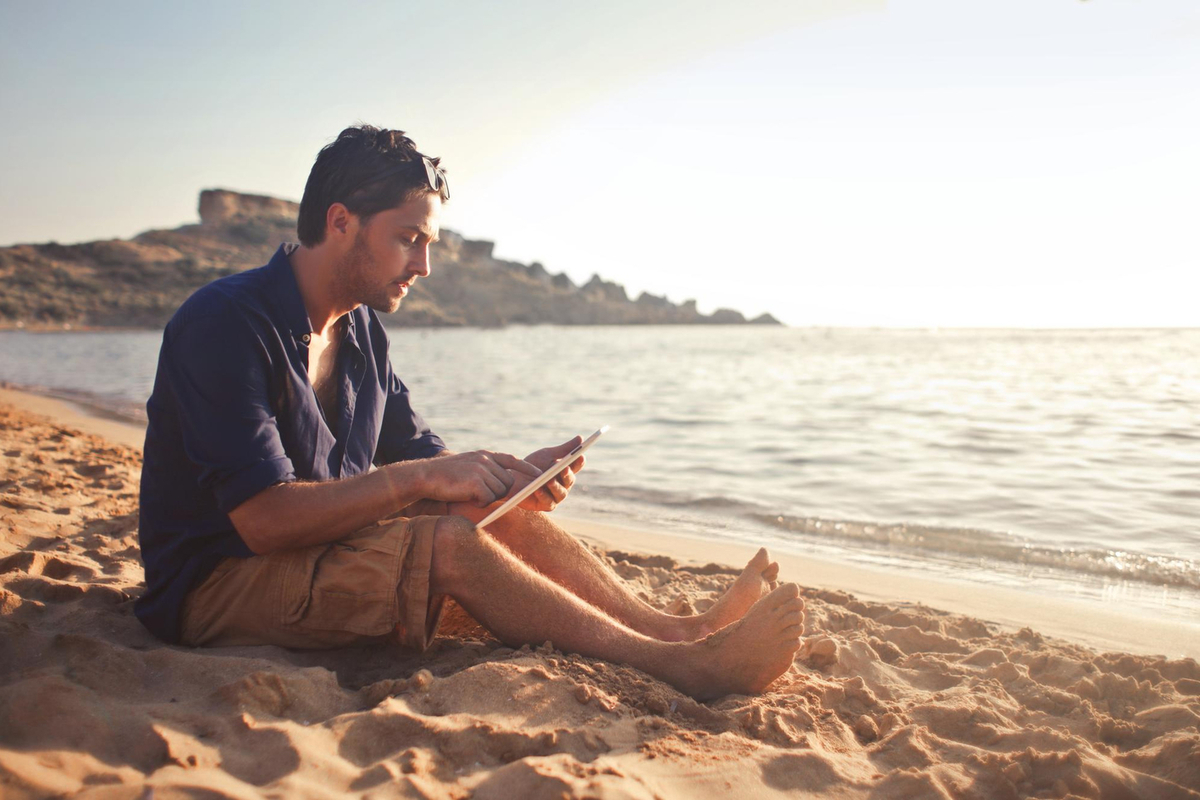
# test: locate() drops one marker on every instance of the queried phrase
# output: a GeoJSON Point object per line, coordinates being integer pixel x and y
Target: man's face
{"type": "Point", "coordinates": [390, 252]}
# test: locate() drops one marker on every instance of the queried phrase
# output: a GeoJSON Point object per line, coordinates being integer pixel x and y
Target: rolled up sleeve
{"type": "Point", "coordinates": [219, 373]}
{"type": "Point", "coordinates": [405, 436]}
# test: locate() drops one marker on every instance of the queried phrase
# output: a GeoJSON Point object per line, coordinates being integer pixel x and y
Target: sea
{"type": "Point", "coordinates": [1060, 462]}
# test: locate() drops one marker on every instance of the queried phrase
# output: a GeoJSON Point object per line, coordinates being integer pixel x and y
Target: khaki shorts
{"type": "Point", "coordinates": [371, 586]}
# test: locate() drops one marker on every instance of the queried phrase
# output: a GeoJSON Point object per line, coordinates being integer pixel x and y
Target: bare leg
{"type": "Point", "coordinates": [520, 606]}
{"type": "Point", "coordinates": [562, 558]}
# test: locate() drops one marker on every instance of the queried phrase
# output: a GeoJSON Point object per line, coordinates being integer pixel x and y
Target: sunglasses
{"type": "Point", "coordinates": [434, 175]}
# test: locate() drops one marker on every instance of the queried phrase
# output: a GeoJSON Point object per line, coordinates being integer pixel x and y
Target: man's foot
{"type": "Point", "coordinates": [745, 656]}
{"type": "Point", "coordinates": [757, 579]}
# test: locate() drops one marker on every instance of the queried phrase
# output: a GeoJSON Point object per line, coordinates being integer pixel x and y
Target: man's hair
{"type": "Point", "coordinates": [342, 174]}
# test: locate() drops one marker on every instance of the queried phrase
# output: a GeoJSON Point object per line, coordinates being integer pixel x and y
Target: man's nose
{"type": "Point", "coordinates": [420, 262]}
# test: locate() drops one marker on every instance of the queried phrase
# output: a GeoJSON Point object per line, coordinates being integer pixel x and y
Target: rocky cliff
{"type": "Point", "coordinates": [141, 281]}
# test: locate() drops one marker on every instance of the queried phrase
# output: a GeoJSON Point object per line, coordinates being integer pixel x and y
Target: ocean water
{"type": "Point", "coordinates": [1062, 462]}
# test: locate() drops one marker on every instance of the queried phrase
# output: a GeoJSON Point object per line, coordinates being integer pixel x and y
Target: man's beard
{"type": "Point", "coordinates": [355, 280]}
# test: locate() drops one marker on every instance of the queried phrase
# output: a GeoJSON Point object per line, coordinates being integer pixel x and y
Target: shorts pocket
{"type": "Point", "coordinates": [350, 587]}
{"type": "Point", "coordinates": [297, 570]}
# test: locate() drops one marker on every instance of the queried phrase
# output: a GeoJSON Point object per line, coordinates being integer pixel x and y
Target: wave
{"type": "Point", "coordinates": [974, 543]}
{"type": "Point", "coordinates": [688, 422]}
{"type": "Point", "coordinates": [659, 497]}
{"type": "Point", "coordinates": [940, 543]}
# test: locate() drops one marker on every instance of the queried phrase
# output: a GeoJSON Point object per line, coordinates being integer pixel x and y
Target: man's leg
{"type": "Point", "coordinates": [563, 559]}
{"type": "Point", "coordinates": [520, 606]}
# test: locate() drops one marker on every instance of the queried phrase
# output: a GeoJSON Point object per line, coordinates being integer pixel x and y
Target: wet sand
{"type": "Point", "coordinates": [885, 699]}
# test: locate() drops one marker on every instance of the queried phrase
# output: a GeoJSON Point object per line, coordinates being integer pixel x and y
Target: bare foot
{"type": "Point", "coordinates": [745, 656]}
{"type": "Point", "coordinates": [757, 579]}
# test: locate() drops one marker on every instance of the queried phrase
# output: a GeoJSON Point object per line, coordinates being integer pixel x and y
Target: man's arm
{"type": "Point", "coordinates": [303, 513]}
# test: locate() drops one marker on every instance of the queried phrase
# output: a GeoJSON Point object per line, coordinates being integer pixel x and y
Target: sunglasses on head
{"type": "Point", "coordinates": [434, 175]}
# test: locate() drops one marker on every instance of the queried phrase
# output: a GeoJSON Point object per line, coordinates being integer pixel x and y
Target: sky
{"type": "Point", "coordinates": [930, 163]}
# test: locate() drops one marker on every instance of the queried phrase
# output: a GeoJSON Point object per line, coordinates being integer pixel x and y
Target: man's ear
{"type": "Point", "coordinates": [340, 221]}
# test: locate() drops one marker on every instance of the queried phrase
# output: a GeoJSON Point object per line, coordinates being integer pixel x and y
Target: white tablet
{"type": "Point", "coordinates": [551, 472]}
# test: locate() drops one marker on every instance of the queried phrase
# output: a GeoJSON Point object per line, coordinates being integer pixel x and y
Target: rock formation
{"type": "Point", "coordinates": [140, 282]}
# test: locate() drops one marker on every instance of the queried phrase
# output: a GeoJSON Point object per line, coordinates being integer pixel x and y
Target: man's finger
{"type": "Point", "coordinates": [566, 446]}
{"type": "Point", "coordinates": [566, 479]}
{"type": "Point", "coordinates": [548, 455]}
{"type": "Point", "coordinates": [556, 491]}
{"type": "Point", "coordinates": [516, 465]}
{"type": "Point", "coordinates": [536, 502]}
{"type": "Point", "coordinates": [481, 495]}
{"type": "Point", "coordinates": [491, 462]}
{"type": "Point", "coordinates": [519, 482]}
{"type": "Point", "coordinates": [497, 487]}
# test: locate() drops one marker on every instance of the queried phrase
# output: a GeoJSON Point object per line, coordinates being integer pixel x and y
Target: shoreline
{"type": "Point", "coordinates": [87, 418]}
{"type": "Point", "coordinates": [1012, 609]}
{"type": "Point", "coordinates": [1115, 629]}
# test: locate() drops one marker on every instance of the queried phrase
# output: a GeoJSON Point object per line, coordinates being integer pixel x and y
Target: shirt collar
{"type": "Point", "coordinates": [289, 301]}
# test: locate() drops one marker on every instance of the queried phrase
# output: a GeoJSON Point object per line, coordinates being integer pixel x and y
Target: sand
{"type": "Point", "coordinates": [885, 699]}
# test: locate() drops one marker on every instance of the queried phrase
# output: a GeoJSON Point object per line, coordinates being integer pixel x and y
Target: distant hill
{"type": "Point", "coordinates": [140, 282]}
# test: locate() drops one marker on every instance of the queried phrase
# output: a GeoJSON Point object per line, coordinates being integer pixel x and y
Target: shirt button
{"type": "Point", "coordinates": [305, 338]}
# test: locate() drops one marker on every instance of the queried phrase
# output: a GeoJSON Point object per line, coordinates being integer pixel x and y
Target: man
{"type": "Point", "coordinates": [263, 520]}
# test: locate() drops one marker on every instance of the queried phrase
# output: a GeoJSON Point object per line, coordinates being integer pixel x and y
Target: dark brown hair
{"type": "Point", "coordinates": [342, 174]}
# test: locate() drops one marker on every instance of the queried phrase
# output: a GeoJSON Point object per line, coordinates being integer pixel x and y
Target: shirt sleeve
{"type": "Point", "coordinates": [405, 436]}
{"type": "Point", "coordinates": [219, 374]}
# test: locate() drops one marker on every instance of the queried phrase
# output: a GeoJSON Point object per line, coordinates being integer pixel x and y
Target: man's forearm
{"type": "Point", "coordinates": [299, 514]}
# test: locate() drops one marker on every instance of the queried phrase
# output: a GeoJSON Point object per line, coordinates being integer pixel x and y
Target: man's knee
{"type": "Point", "coordinates": [521, 530]}
{"type": "Point", "coordinates": [457, 549]}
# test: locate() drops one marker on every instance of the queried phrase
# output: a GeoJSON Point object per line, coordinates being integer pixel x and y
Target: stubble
{"type": "Point", "coordinates": [358, 279]}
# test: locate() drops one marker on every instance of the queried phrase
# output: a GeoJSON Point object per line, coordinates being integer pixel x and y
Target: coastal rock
{"type": "Point", "coordinates": [476, 250]}
{"type": "Point", "coordinates": [220, 205]}
{"type": "Point", "coordinates": [727, 316]}
{"type": "Point", "coordinates": [140, 282]}
{"type": "Point", "coordinates": [765, 319]}
{"type": "Point", "coordinates": [600, 288]}
{"type": "Point", "coordinates": [654, 301]}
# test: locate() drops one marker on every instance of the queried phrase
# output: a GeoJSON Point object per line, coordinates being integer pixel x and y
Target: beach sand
{"type": "Point", "coordinates": [886, 699]}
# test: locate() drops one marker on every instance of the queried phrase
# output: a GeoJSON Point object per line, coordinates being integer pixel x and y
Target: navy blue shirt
{"type": "Point", "coordinates": [233, 413]}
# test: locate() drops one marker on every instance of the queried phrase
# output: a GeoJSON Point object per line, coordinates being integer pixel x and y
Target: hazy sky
{"type": "Point", "coordinates": [846, 162]}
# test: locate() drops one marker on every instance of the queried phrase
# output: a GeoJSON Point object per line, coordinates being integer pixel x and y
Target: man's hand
{"type": "Point", "coordinates": [554, 492]}
{"type": "Point", "coordinates": [545, 498]}
{"type": "Point", "coordinates": [478, 478]}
